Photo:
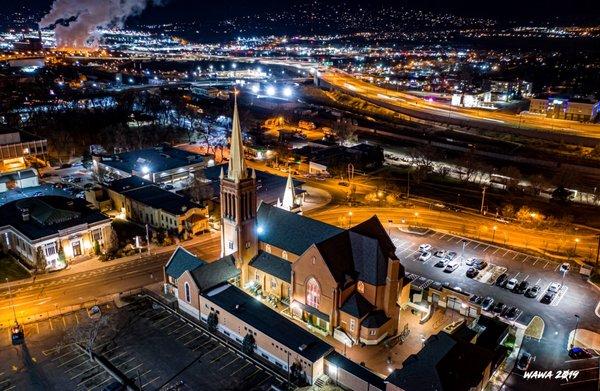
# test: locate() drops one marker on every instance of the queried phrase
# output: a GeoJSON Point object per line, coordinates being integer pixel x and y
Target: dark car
{"type": "Point", "coordinates": [472, 272]}
{"type": "Point", "coordinates": [499, 308]}
{"type": "Point", "coordinates": [480, 264]}
{"type": "Point", "coordinates": [524, 361]}
{"type": "Point", "coordinates": [533, 291]}
{"type": "Point", "coordinates": [487, 303]}
{"type": "Point", "coordinates": [578, 353]}
{"type": "Point", "coordinates": [512, 313]}
{"type": "Point", "coordinates": [441, 263]}
{"type": "Point", "coordinates": [501, 280]}
{"type": "Point", "coordinates": [522, 287]}
{"type": "Point", "coordinates": [548, 297]}
{"type": "Point", "coordinates": [476, 299]}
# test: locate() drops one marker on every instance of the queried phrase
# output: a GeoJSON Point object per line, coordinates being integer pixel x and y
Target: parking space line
{"type": "Point", "coordinates": [86, 371]}
{"type": "Point", "coordinates": [556, 268]}
{"type": "Point", "coordinates": [516, 255]}
{"type": "Point", "coordinates": [173, 322]}
{"type": "Point", "coordinates": [178, 328]}
{"type": "Point", "coordinates": [458, 240]}
{"type": "Point", "coordinates": [536, 261]}
{"type": "Point", "coordinates": [442, 237]}
{"type": "Point", "coordinates": [497, 249]}
{"type": "Point", "coordinates": [74, 358]}
{"type": "Point", "coordinates": [239, 369]}
{"type": "Point", "coordinates": [133, 369]}
{"type": "Point", "coordinates": [517, 275]}
{"type": "Point", "coordinates": [485, 249]}
{"type": "Point", "coordinates": [192, 340]}
{"type": "Point", "coordinates": [183, 335]}
{"type": "Point", "coordinates": [203, 345]}
{"type": "Point", "coordinates": [506, 252]}
{"type": "Point", "coordinates": [218, 358]}
{"type": "Point", "coordinates": [546, 265]}
{"type": "Point", "coordinates": [538, 281]}
{"type": "Point", "coordinates": [524, 259]}
{"type": "Point", "coordinates": [264, 380]}
{"type": "Point", "coordinates": [212, 350]}
{"type": "Point", "coordinates": [450, 238]}
{"type": "Point", "coordinates": [151, 381]}
{"type": "Point", "coordinates": [252, 375]}
{"type": "Point", "coordinates": [231, 362]}
{"type": "Point", "coordinates": [478, 244]}
{"type": "Point", "coordinates": [526, 277]}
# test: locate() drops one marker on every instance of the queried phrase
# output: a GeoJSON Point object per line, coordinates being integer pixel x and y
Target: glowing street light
{"type": "Point", "coordinates": [287, 92]}
{"type": "Point", "coordinates": [576, 242]}
{"type": "Point", "coordinates": [145, 169]}
{"type": "Point", "coordinates": [494, 228]}
{"type": "Point", "coordinates": [255, 88]}
{"type": "Point", "coordinates": [350, 218]}
{"type": "Point", "coordinates": [270, 90]}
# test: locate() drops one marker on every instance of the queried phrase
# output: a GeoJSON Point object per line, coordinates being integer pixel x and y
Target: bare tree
{"type": "Point", "coordinates": [86, 333]}
{"type": "Point", "coordinates": [422, 159]}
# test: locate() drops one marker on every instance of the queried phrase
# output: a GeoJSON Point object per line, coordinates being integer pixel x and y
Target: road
{"type": "Point", "coordinates": [57, 290]}
{"type": "Point", "coordinates": [432, 110]}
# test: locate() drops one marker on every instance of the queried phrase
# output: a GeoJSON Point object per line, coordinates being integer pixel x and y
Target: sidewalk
{"type": "Point", "coordinates": [94, 263]}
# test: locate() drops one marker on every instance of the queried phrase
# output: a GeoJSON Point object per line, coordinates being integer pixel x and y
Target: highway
{"type": "Point", "coordinates": [441, 112]}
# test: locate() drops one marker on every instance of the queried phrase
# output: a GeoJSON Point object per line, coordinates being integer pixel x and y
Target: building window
{"type": "Point", "coordinates": [352, 325]}
{"type": "Point", "coordinates": [247, 245]}
{"type": "Point", "coordinates": [188, 297]}
{"type": "Point", "coordinates": [314, 260]}
{"type": "Point", "coordinates": [268, 248]}
{"type": "Point", "coordinates": [284, 255]}
{"type": "Point", "coordinates": [372, 332]}
{"type": "Point", "coordinates": [50, 249]}
{"type": "Point", "coordinates": [230, 244]}
{"type": "Point", "coordinates": [257, 277]}
{"type": "Point", "coordinates": [97, 235]}
{"type": "Point", "coordinates": [313, 293]}
{"type": "Point", "coordinates": [360, 287]}
{"type": "Point", "coordinates": [273, 283]}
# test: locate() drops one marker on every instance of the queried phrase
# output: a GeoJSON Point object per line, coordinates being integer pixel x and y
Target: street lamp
{"type": "Point", "coordinates": [494, 228]}
{"type": "Point", "coordinates": [575, 248]}
{"type": "Point", "coordinates": [575, 332]}
{"type": "Point", "coordinates": [349, 219]}
{"type": "Point", "coordinates": [417, 218]}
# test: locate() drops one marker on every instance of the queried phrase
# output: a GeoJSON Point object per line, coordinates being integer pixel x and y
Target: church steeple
{"type": "Point", "coordinates": [289, 195]}
{"type": "Point", "coordinates": [237, 166]}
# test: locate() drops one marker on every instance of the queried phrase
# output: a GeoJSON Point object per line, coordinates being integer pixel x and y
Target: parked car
{"type": "Point", "coordinates": [472, 272]}
{"type": "Point", "coordinates": [548, 297]}
{"type": "Point", "coordinates": [501, 280]}
{"type": "Point", "coordinates": [476, 299]}
{"type": "Point", "coordinates": [451, 266]}
{"type": "Point", "coordinates": [451, 255]}
{"type": "Point", "coordinates": [499, 308]}
{"type": "Point", "coordinates": [554, 287]}
{"type": "Point", "coordinates": [425, 256]}
{"type": "Point", "coordinates": [442, 262]}
{"type": "Point", "coordinates": [487, 303]}
{"type": "Point", "coordinates": [480, 264]}
{"type": "Point", "coordinates": [565, 267]}
{"type": "Point", "coordinates": [578, 353]}
{"type": "Point", "coordinates": [524, 361]}
{"type": "Point", "coordinates": [512, 313]}
{"type": "Point", "coordinates": [511, 284]}
{"type": "Point", "coordinates": [522, 287]}
{"type": "Point", "coordinates": [425, 247]}
{"type": "Point", "coordinates": [470, 261]}
{"type": "Point", "coordinates": [533, 291]}
{"type": "Point", "coordinates": [440, 253]}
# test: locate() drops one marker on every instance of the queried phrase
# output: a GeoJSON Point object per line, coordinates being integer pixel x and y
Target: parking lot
{"type": "Point", "coordinates": [149, 344]}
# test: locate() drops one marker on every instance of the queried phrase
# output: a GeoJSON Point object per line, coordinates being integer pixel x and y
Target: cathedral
{"type": "Point", "coordinates": [344, 283]}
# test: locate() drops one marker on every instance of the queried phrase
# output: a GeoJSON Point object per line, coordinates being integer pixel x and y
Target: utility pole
{"type": "Point", "coordinates": [11, 300]}
{"type": "Point", "coordinates": [575, 332]}
{"type": "Point", "coordinates": [598, 249]}
{"type": "Point", "coordinates": [482, 200]}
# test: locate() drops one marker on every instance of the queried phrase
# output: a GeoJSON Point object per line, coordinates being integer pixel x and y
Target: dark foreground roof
{"type": "Point", "coordinates": [273, 266]}
{"type": "Point", "coordinates": [48, 215]}
{"type": "Point", "coordinates": [264, 319]}
{"type": "Point", "coordinates": [290, 231]}
{"type": "Point", "coordinates": [180, 261]}
{"type": "Point", "coordinates": [157, 198]}
{"type": "Point", "coordinates": [375, 319]}
{"type": "Point", "coordinates": [443, 364]}
{"type": "Point", "coordinates": [129, 183]}
{"type": "Point", "coordinates": [357, 370]}
{"type": "Point", "coordinates": [215, 273]}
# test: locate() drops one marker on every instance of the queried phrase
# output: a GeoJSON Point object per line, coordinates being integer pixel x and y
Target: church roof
{"type": "Point", "coordinates": [356, 305]}
{"type": "Point", "coordinates": [180, 261]}
{"type": "Point", "coordinates": [215, 273]}
{"type": "Point", "coordinates": [273, 266]}
{"type": "Point", "coordinates": [289, 231]}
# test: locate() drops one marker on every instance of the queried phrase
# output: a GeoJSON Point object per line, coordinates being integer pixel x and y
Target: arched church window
{"type": "Point", "coordinates": [313, 293]}
{"type": "Point", "coordinates": [284, 255]}
{"type": "Point", "coordinates": [268, 248]}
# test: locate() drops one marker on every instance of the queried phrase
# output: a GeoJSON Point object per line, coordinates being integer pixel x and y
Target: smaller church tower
{"type": "Point", "coordinates": [238, 203]}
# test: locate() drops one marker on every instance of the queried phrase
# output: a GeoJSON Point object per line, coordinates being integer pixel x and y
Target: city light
{"type": "Point", "coordinates": [270, 90]}
{"type": "Point", "coordinates": [256, 88]}
{"type": "Point", "coordinates": [260, 229]}
{"type": "Point", "coordinates": [145, 169]}
{"type": "Point", "coordinates": [287, 92]}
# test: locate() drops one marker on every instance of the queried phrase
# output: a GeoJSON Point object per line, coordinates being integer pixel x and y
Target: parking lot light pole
{"type": "Point", "coordinates": [575, 248]}
{"type": "Point", "coordinates": [575, 331]}
{"type": "Point", "coordinates": [462, 256]}
{"type": "Point", "coordinates": [494, 228]}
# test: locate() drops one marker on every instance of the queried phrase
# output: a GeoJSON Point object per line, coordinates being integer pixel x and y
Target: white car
{"type": "Point", "coordinates": [511, 284]}
{"type": "Point", "coordinates": [425, 256]}
{"type": "Point", "coordinates": [565, 267]}
{"type": "Point", "coordinates": [451, 266]}
{"type": "Point", "coordinates": [424, 247]}
{"type": "Point", "coordinates": [554, 287]}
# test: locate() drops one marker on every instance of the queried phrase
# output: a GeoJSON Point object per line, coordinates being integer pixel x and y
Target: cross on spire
{"type": "Point", "coordinates": [237, 166]}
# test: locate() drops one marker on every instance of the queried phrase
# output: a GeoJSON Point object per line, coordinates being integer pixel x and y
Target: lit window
{"type": "Point", "coordinates": [352, 324]}
{"type": "Point", "coordinates": [284, 255]}
{"type": "Point", "coordinates": [188, 297]}
{"type": "Point", "coordinates": [268, 248]}
{"type": "Point", "coordinates": [273, 283]}
{"type": "Point", "coordinates": [372, 332]}
{"type": "Point", "coordinates": [231, 245]}
{"type": "Point", "coordinates": [313, 293]}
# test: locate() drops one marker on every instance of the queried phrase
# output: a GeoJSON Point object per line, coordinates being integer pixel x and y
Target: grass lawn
{"type": "Point", "coordinates": [9, 268]}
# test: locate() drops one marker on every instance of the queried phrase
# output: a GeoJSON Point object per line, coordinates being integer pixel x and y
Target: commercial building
{"type": "Point", "coordinates": [141, 201]}
{"type": "Point", "coordinates": [507, 90]}
{"type": "Point", "coordinates": [564, 108]}
{"type": "Point", "coordinates": [51, 227]}
{"type": "Point", "coordinates": [326, 160]}
{"type": "Point", "coordinates": [162, 165]}
{"type": "Point", "coordinates": [18, 151]}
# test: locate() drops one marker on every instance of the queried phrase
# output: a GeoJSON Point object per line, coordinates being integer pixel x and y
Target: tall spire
{"type": "Point", "coordinates": [237, 167]}
{"type": "Point", "coordinates": [289, 196]}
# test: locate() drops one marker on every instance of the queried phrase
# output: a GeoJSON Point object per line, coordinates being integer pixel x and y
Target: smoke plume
{"type": "Point", "coordinates": [75, 22]}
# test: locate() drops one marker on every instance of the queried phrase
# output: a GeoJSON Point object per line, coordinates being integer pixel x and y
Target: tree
{"type": "Point", "coordinates": [249, 344]}
{"type": "Point", "coordinates": [86, 333]}
{"type": "Point", "coordinates": [508, 211]}
{"type": "Point", "coordinates": [97, 250]}
{"type": "Point", "coordinates": [538, 183]}
{"type": "Point", "coordinates": [345, 130]}
{"type": "Point", "coordinates": [61, 254]}
{"type": "Point", "coordinates": [212, 321]}
{"type": "Point", "coordinates": [112, 241]}
{"type": "Point", "coordinates": [200, 188]}
{"type": "Point", "coordinates": [422, 159]}
{"type": "Point", "coordinates": [40, 260]}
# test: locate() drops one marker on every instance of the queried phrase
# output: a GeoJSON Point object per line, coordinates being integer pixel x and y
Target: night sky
{"type": "Point", "coordinates": [207, 10]}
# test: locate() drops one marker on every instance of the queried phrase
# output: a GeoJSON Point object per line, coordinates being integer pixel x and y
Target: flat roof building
{"type": "Point", "coordinates": [582, 110]}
